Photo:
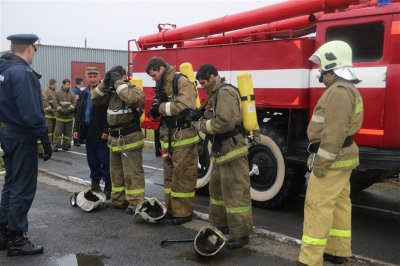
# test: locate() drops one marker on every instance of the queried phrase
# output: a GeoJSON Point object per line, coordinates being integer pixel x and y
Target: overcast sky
{"type": "Point", "coordinates": [107, 24]}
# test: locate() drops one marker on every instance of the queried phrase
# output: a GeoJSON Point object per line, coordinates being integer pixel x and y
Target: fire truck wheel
{"type": "Point", "coordinates": [275, 183]}
{"type": "Point", "coordinates": [204, 166]}
{"type": "Point", "coordinates": [360, 181]}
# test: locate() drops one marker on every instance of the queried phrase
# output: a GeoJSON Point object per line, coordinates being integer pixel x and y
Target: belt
{"type": "Point", "coordinates": [122, 131]}
{"type": "Point", "coordinates": [313, 147]}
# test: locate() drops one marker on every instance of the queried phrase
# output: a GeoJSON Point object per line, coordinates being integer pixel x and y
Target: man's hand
{"type": "Point", "coordinates": [190, 114]}
{"type": "Point", "coordinates": [154, 113]}
{"type": "Point", "coordinates": [197, 125]}
{"type": "Point", "coordinates": [48, 151]}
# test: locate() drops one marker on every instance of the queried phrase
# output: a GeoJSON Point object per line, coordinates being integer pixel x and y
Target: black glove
{"type": "Point", "coordinates": [48, 151]}
{"type": "Point", "coordinates": [154, 113]}
{"type": "Point", "coordinates": [116, 73]}
{"type": "Point", "coordinates": [190, 114]}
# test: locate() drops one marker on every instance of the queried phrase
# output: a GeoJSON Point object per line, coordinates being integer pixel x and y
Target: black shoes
{"type": "Point", "coordinates": [4, 238]}
{"type": "Point", "coordinates": [237, 242]}
{"type": "Point", "coordinates": [20, 245]}
{"type": "Point", "coordinates": [179, 220]}
{"type": "Point", "coordinates": [95, 187]}
{"type": "Point", "coordinates": [130, 211]}
{"type": "Point", "coordinates": [334, 259]}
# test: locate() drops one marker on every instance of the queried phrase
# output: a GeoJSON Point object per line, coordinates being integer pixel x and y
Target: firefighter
{"type": "Point", "coordinates": [49, 104]}
{"type": "Point", "coordinates": [178, 139]}
{"type": "Point", "coordinates": [222, 123]}
{"type": "Point", "coordinates": [65, 106]}
{"type": "Point", "coordinates": [337, 117]}
{"type": "Point", "coordinates": [125, 106]}
{"type": "Point", "coordinates": [21, 111]}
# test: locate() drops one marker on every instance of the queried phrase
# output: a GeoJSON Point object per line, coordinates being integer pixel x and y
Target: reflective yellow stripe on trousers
{"type": "Point", "coordinates": [127, 146]}
{"type": "Point", "coordinates": [345, 163]}
{"type": "Point", "coordinates": [217, 202]}
{"type": "Point", "coordinates": [167, 190]}
{"type": "Point", "coordinates": [182, 194]}
{"type": "Point", "coordinates": [64, 120]}
{"type": "Point", "coordinates": [231, 154]}
{"type": "Point", "coordinates": [118, 189]}
{"type": "Point", "coordinates": [134, 191]}
{"type": "Point", "coordinates": [238, 210]}
{"type": "Point", "coordinates": [314, 241]}
{"type": "Point", "coordinates": [179, 143]}
{"type": "Point", "coordinates": [49, 117]}
{"type": "Point", "coordinates": [340, 233]}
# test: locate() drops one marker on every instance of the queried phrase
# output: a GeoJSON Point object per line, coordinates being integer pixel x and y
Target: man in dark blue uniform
{"type": "Point", "coordinates": [22, 113]}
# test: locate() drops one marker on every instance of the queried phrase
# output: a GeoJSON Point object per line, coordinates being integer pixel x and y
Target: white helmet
{"type": "Point", "coordinates": [151, 210]}
{"type": "Point", "coordinates": [336, 56]}
{"type": "Point", "coordinates": [88, 200]}
{"type": "Point", "coordinates": [208, 241]}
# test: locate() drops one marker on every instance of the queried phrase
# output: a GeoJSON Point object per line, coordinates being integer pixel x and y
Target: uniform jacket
{"type": "Point", "coordinates": [185, 98]}
{"type": "Point", "coordinates": [49, 102]}
{"type": "Point", "coordinates": [337, 115]}
{"type": "Point", "coordinates": [65, 104]}
{"type": "Point", "coordinates": [222, 113]}
{"type": "Point", "coordinates": [20, 96]}
{"type": "Point", "coordinates": [98, 118]}
{"type": "Point", "coordinates": [124, 108]}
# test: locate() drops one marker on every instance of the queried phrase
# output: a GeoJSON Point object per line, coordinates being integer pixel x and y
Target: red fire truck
{"type": "Point", "coordinates": [274, 43]}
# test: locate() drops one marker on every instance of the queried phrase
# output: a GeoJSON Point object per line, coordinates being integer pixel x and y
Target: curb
{"type": "Point", "coordinates": [204, 217]}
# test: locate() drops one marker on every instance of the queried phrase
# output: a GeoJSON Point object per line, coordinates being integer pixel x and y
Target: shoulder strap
{"type": "Point", "coordinates": [175, 82]}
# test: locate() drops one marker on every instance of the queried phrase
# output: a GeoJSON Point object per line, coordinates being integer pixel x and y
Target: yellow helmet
{"type": "Point", "coordinates": [333, 55]}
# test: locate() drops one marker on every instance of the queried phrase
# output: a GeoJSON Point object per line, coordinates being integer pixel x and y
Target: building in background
{"type": "Point", "coordinates": [62, 62]}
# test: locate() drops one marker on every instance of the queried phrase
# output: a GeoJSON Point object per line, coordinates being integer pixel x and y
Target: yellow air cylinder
{"type": "Point", "coordinates": [138, 83]}
{"type": "Point", "coordinates": [187, 70]}
{"type": "Point", "coordinates": [245, 85]}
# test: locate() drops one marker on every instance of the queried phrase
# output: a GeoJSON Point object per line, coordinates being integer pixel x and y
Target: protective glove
{"type": "Point", "coordinates": [48, 151]}
{"type": "Point", "coordinates": [190, 114]}
{"type": "Point", "coordinates": [116, 73]}
{"type": "Point", "coordinates": [154, 113]}
{"type": "Point", "coordinates": [197, 125]}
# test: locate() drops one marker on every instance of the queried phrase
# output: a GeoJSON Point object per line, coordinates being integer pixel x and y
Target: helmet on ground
{"type": "Point", "coordinates": [208, 241]}
{"type": "Point", "coordinates": [151, 210]}
{"type": "Point", "coordinates": [333, 55]}
{"type": "Point", "coordinates": [88, 200]}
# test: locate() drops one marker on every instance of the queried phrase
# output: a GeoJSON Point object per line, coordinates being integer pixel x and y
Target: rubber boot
{"type": "Point", "coordinates": [237, 242]}
{"type": "Point", "coordinates": [20, 245]}
{"type": "Point", "coordinates": [334, 259]}
{"type": "Point", "coordinates": [107, 189]}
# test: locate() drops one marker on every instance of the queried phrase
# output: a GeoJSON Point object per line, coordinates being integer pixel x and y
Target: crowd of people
{"type": "Point", "coordinates": [107, 119]}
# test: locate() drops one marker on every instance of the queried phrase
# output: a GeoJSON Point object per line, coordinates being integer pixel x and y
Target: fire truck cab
{"type": "Point", "coordinates": [287, 88]}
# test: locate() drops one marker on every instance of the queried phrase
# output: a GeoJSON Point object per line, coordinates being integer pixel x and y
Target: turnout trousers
{"type": "Point", "coordinates": [230, 201]}
{"type": "Point", "coordinates": [180, 176]}
{"type": "Point", "coordinates": [21, 163]}
{"type": "Point", "coordinates": [127, 177]}
{"type": "Point", "coordinates": [51, 125]}
{"type": "Point", "coordinates": [63, 131]}
{"type": "Point", "coordinates": [327, 218]}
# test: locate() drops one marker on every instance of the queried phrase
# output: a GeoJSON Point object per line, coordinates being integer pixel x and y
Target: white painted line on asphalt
{"type": "Point", "coordinates": [144, 166]}
{"type": "Point", "coordinates": [280, 237]}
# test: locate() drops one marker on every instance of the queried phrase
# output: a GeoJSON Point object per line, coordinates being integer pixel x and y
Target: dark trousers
{"type": "Point", "coordinates": [98, 157]}
{"type": "Point", "coordinates": [21, 162]}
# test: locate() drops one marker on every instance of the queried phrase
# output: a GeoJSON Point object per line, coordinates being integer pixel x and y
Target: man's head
{"type": "Point", "coordinates": [78, 82]}
{"type": "Point", "coordinates": [92, 75]}
{"type": "Point", "coordinates": [155, 67]}
{"type": "Point", "coordinates": [206, 74]}
{"type": "Point", "coordinates": [66, 84]}
{"type": "Point", "coordinates": [23, 45]}
{"type": "Point", "coordinates": [52, 84]}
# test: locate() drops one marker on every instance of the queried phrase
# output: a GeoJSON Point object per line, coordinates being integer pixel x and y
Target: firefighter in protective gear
{"type": "Point", "coordinates": [178, 141]}
{"type": "Point", "coordinates": [49, 103]}
{"type": "Point", "coordinates": [337, 117]}
{"type": "Point", "coordinates": [125, 106]}
{"type": "Point", "coordinates": [65, 107]}
{"type": "Point", "coordinates": [230, 175]}
{"type": "Point", "coordinates": [151, 210]}
{"type": "Point", "coordinates": [208, 241]}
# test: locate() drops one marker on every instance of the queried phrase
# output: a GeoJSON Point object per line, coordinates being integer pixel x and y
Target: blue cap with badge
{"type": "Point", "coordinates": [23, 39]}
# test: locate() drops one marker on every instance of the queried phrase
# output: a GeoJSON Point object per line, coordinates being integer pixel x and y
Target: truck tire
{"type": "Point", "coordinates": [204, 167]}
{"type": "Point", "coordinates": [360, 181]}
{"type": "Point", "coordinates": [276, 182]}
